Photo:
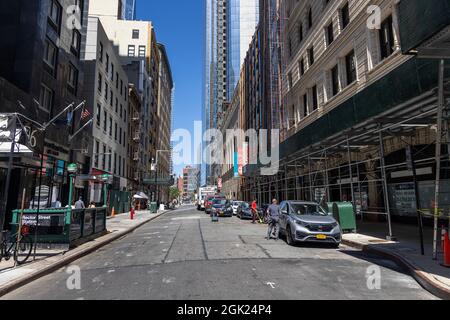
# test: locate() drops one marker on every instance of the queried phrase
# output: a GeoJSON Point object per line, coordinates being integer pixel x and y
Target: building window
{"type": "Point", "coordinates": [115, 131]}
{"type": "Point", "coordinates": [107, 65]}
{"type": "Point", "coordinates": [46, 98]}
{"type": "Point", "coordinates": [305, 105]}
{"type": "Point", "coordinates": [104, 157]}
{"type": "Point", "coordinates": [131, 51]}
{"type": "Point", "coordinates": [311, 56]}
{"type": "Point", "coordinates": [72, 80]}
{"type": "Point", "coordinates": [345, 16]}
{"type": "Point", "coordinates": [112, 71]}
{"type": "Point", "coordinates": [350, 64]}
{"type": "Point", "coordinates": [335, 80]}
{"type": "Point", "coordinates": [110, 126]}
{"type": "Point", "coordinates": [387, 44]}
{"type": "Point", "coordinates": [54, 14]}
{"type": "Point", "coordinates": [315, 100]}
{"type": "Point", "coordinates": [100, 52]}
{"type": "Point", "coordinates": [76, 41]}
{"type": "Point", "coordinates": [310, 18]}
{"type": "Point", "coordinates": [300, 32]}
{"type": "Point", "coordinates": [117, 105]}
{"type": "Point", "coordinates": [115, 163]}
{"type": "Point", "coordinates": [135, 34]}
{"type": "Point", "coordinates": [99, 114]}
{"type": "Point", "coordinates": [120, 135]}
{"type": "Point", "coordinates": [100, 82]}
{"type": "Point", "coordinates": [110, 159]}
{"type": "Point", "coordinates": [142, 51]}
{"type": "Point", "coordinates": [105, 121]}
{"type": "Point", "coordinates": [50, 55]}
{"type": "Point", "coordinates": [106, 92]}
{"type": "Point", "coordinates": [117, 80]}
{"type": "Point", "coordinates": [330, 33]}
{"type": "Point", "coordinates": [290, 83]}
{"type": "Point", "coordinates": [302, 66]}
{"type": "Point", "coordinates": [97, 151]}
{"type": "Point", "coordinates": [111, 98]}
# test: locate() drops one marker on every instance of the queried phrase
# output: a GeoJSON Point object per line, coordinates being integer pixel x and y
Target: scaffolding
{"type": "Point", "coordinates": [355, 165]}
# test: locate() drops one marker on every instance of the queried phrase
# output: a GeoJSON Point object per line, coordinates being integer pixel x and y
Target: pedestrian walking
{"type": "Point", "coordinates": [274, 220]}
{"type": "Point", "coordinates": [79, 204]}
{"type": "Point", "coordinates": [254, 211]}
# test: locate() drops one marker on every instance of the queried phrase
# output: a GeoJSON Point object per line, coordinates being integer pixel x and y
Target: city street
{"type": "Point", "coordinates": [183, 255]}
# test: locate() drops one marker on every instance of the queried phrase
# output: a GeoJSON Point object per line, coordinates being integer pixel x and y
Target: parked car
{"type": "Point", "coordinates": [235, 206]}
{"type": "Point", "coordinates": [244, 211]}
{"type": "Point", "coordinates": [308, 222]}
{"type": "Point", "coordinates": [222, 207]}
{"type": "Point", "coordinates": [209, 202]}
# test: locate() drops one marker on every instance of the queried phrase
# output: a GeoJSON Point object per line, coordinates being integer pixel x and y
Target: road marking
{"type": "Point", "coordinates": [187, 218]}
{"type": "Point", "coordinates": [271, 284]}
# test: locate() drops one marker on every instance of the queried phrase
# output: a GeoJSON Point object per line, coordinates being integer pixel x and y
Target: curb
{"type": "Point", "coordinates": [422, 277]}
{"type": "Point", "coordinates": [67, 259]}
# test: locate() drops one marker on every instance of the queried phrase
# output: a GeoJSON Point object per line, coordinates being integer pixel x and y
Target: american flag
{"type": "Point", "coordinates": [85, 114]}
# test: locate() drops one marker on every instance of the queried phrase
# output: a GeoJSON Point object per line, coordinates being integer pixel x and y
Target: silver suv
{"type": "Point", "coordinates": [308, 222]}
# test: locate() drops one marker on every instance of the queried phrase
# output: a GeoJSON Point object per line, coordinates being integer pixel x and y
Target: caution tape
{"type": "Point", "coordinates": [440, 214]}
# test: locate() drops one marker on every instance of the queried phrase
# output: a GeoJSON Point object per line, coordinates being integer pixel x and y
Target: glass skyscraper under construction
{"type": "Point", "coordinates": [229, 28]}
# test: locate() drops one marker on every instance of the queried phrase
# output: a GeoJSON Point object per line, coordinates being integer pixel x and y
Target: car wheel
{"type": "Point", "coordinates": [289, 239]}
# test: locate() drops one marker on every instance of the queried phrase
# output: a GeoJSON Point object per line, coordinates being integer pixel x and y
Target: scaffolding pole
{"type": "Point", "coordinates": [351, 173]}
{"type": "Point", "coordinates": [438, 156]}
{"type": "Point", "coordinates": [385, 186]}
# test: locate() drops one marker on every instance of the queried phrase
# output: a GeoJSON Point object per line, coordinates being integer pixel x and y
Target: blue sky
{"type": "Point", "coordinates": [179, 26]}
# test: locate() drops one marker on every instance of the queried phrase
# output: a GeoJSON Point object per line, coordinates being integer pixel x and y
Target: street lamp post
{"type": "Point", "coordinates": [105, 179]}
{"type": "Point", "coordinates": [72, 170]}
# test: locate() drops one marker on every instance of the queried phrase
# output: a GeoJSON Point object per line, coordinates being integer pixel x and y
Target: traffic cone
{"type": "Point", "coordinates": [113, 213]}
{"type": "Point", "coordinates": [446, 250]}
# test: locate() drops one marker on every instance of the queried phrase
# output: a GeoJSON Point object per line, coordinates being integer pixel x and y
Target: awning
{"type": "Point", "coordinates": [140, 195]}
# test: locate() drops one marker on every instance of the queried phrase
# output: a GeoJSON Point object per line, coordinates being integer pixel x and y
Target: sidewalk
{"type": "Point", "coordinates": [406, 252]}
{"type": "Point", "coordinates": [47, 261]}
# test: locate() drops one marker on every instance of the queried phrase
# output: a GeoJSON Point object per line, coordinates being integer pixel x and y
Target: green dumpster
{"type": "Point", "coordinates": [344, 213]}
{"type": "Point", "coordinates": [153, 207]}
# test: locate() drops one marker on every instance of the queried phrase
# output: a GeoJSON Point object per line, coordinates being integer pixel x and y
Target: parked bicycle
{"type": "Point", "coordinates": [13, 245]}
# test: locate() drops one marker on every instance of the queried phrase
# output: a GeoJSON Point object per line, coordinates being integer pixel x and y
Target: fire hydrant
{"type": "Point", "coordinates": [132, 214]}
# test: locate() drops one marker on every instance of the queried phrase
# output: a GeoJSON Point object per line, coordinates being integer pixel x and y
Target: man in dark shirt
{"type": "Point", "coordinates": [274, 220]}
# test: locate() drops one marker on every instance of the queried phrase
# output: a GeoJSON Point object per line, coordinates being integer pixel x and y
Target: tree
{"type": "Point", "coordinates": [174, 193]}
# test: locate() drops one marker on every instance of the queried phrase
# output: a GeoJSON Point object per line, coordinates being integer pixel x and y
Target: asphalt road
{"type": "Point", "coordinates": [183, 255]}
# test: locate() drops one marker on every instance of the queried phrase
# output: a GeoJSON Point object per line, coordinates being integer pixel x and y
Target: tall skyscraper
{"type": "Point", "coordinates": [230, 25]}
{"type": "Point", "coordinates": [129, 9]}
{"type": "Point", "coordinates": [243, 18]}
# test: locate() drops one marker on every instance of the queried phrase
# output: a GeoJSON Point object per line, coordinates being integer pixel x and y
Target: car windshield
{"type": "Point", "coordinates": [307, 209]}
{"type": "Point", "coordinates": [245, 205]}
{"type": "Point", "coordinates": [220, 201]}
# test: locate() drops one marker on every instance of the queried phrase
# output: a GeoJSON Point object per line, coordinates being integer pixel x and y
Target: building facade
{"type": "Point", "coordinates": [165, 94]}
{"type": "Point", "coordinates": [107, 90]}
{"type": "Point", "coordinates": [44, 73]}
{"type": "Point", "coordinates": [137, 47]}
{"type": "Point", "coordinates": [360, 112]}
{"type": "Point", "coordinates": [191, 179]}
{"type": "Point", "coordinates": [135, 172]}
